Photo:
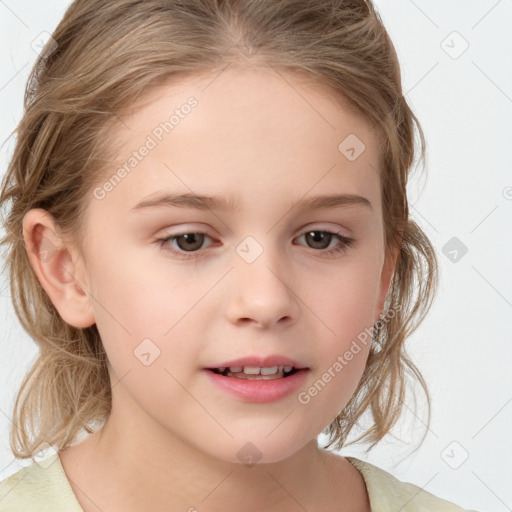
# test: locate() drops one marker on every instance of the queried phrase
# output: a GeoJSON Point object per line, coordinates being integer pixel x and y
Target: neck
{"type": "Point", "coordinates": [131, 464]}
{"type": "Point", "coordinates": [179, 477]}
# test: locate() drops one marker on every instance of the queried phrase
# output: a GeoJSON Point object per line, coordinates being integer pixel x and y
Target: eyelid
{"type": "Point", "coordinates": [344, 232]}
{"type": "Point", "coordinates": [337, 229]}
{"type": "Point", "coordinates": [345, 242]}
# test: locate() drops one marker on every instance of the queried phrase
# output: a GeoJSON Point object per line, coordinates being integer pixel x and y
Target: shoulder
{"type": "Point", "coordinates": [41, 487]}
{"type": "Point", "coordinates": [388, 494]}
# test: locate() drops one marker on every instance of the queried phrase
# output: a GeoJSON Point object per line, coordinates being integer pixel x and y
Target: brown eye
{"type": "Point", "coordinates": [189, 241]}
{"type": "Point", "coordinates": [185, 245]}
{"type": "Point", "coordinates": [319, 239]}
{"type": "Point", "coordinates": [322, 239]}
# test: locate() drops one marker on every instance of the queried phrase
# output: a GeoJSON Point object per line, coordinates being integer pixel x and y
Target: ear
{"type": "Point", "coordinates": [388, 271]}
{"type": "Point", "coordinates": [59, 268]}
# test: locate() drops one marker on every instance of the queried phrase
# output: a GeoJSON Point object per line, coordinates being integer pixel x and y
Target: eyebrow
{"type": "Point", "coordinates": [218, 203]}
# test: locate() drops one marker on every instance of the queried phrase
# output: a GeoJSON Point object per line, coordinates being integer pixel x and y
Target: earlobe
{"type": "Point", "coordinates": [58, 267]}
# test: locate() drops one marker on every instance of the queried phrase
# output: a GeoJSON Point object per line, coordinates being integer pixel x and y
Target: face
{"type": "Point", "coordinates": [257, 273]}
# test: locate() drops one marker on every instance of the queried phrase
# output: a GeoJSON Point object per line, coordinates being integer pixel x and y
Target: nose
{"type": "Point", "coordinates": [262, 293]}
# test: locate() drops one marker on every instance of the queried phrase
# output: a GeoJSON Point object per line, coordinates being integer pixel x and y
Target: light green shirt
{"type": "Point", "coordinates": [44, 487]}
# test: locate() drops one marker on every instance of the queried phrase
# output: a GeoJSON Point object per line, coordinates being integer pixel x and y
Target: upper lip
{"type": "Point", "coordinates": [261, 362]}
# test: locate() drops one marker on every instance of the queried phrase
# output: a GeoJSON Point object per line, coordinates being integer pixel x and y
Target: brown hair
{"type": "Point", "coordinates": [105, 57]}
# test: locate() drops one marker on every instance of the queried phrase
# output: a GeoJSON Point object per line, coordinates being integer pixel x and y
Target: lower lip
{"type": "Point", "coordinates": [259, 391]}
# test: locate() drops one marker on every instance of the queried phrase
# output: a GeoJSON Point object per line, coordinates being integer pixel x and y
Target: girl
{"type": "Point", "coordinates": [209, 240]}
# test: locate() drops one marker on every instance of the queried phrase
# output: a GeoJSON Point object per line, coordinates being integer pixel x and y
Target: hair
{"type": "Point", "coordinates": [103, 59]}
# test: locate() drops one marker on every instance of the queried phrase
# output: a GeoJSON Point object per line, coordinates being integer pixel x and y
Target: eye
{"type": "Point", "coordinates": [321, 239]}
{"type": "Point", "coordinates": [192, 242]}
{"type": "Point", "coordinates": [186, 242]}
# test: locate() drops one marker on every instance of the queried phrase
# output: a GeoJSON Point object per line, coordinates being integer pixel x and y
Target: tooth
{"type": "Point", "coordinates": [269, 371]}
{"type": "Point", "coordinates": [235, 368]}
{"type": "Point", "coordinates": [221, 369]}
{"type": "Point", "coordinates": [257, 377]}
{"type": "Point", "coordinates": [288, 368]}
{"type": "Point", "coordinates": [252, 370]}
{"type": "Point", "coordinates": [271, 377]}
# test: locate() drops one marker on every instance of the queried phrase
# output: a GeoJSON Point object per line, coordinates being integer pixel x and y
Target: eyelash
{"type": "Point", "coordinates": [346, 242]}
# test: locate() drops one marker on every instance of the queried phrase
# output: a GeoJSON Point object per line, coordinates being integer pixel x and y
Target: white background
{"type": "Point", "coordinates": [463, 348]}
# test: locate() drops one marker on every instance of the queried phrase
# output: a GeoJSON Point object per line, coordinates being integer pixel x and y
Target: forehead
{"type": "Point", "coordinates": [250, 134]}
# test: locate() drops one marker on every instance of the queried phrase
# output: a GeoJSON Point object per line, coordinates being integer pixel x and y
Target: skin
{"type": "Point", "coordinates": [171, 441]}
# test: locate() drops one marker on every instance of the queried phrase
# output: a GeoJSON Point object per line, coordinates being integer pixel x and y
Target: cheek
{"type": "Point", "coordinates": [346, 299]}
{"type": "Point", "coordinates": [139, 296]}
{"type": "Point", "coordinates": [146, 317]}
{"type": "Point", "coordinates": [345, 305]}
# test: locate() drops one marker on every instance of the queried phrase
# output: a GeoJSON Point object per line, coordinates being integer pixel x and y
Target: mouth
{"type": "Point", "coordinates": [256, 372]}
{"type": "Point", "coordinates": [258, 384]}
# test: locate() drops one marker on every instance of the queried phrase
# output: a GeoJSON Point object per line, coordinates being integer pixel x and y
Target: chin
{"type": "Point", "coordinates": [259, 450]}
